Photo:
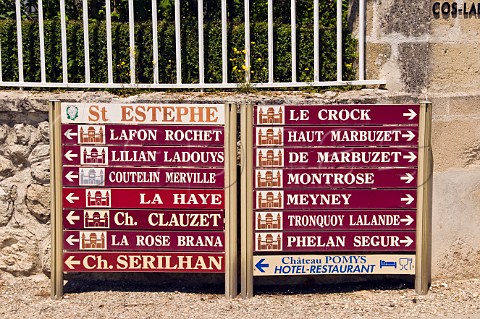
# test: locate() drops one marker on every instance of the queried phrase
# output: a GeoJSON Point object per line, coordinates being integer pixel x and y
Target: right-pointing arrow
{"type": "Point", "coordinates": [410, 114]}
{"type": "Point", "coordinates": [407, 241]}
{"type": "Point", "coordinates": [408, 220]}
{"type": "Point", "coordinates": [408, 199]}
{"type": "Point", "coordinates": [410, 157]}
{"type": "Point", "coordinates": [70, 262]}
{"type": "Point", "coordinates": [408, 178]}
{"type": "Point", "coordinates": [71, 218]}
{"type": "Point", "coordinates": [410, 135]}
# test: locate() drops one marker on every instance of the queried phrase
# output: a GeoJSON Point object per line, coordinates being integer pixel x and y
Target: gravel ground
{"type": "Point", "coordinates": [29, 297]}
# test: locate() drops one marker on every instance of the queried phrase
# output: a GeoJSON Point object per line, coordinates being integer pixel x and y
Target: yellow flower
{"type": "Point", "coordinates": [234, 68]}
{"type": "Point", "coordinates": [244, 67]}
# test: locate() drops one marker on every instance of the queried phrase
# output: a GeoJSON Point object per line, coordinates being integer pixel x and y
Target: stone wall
{"type": "Point", "coordinates": [436, 57]}
{"type": "Point", "coordinates": [421, 57]}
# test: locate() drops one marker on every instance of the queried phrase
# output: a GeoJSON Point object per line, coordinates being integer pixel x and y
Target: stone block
{"type": "Point", "coordinates": [38, 201]}
{"type": "Point", "coordinates": [467, 105]}
{"type": "Point", "coordinates": [455, 143]}
{"type": "Point", "coordinates": [455, 224]}
{"type": "Point", "coordinates": [18, 252]}
{"type": "Point", "coordinates": [454, 67]}
{"type": "Point", "coordinates": [377, 55]}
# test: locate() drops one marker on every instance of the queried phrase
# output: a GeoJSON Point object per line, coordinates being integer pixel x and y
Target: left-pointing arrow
{"type": "Point", "coordinates": [72, 198]}
{"type": "Point", "coordinates": [71, 218]}
{"type": "Point", "coordinates": [70, 176]}
{"type": "Point", "coordinates": [71, 240]}
{"type": "Point", "coordinates": [69, 134]}
{"type": "Point", "coordinates": [70, 155]}
{"type": "Point", "coordinates": [71, 262]}
{"type": "Point", "coordinates": [260, 265]}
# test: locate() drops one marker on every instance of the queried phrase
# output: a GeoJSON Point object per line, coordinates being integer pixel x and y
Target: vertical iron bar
{"type": "Point", "coordinates": [19, 40]}
{"type": "Point", "coordinates": [131, 25]}
{"type": "Point", "coordinates": [86, 41]}
{"type": "Point", "coordinates": [63, 27]}
{"type": "Point", "coordinates": [109, 41]}
{"type": "Point", "coordinates": [316, 44]}
{"type": "Point", "coordinates": [224, 43]}
{"type": "Point", "coordinates": [361, 41]}
{"type": "Point", "coordinates": [339, 40]}
{"type": "Point", "coordinates": [247, 40]}
{"type": "Point", "coordinates": [41, 34]}
{"type": "Point", "coordinates": [270, 41]}
{"type": "Point", "coordinates": [293, 22]}
{"type": "Point", "coordinates": [201, 57]}
{"type": "Point", "coordinates": [155, 41]}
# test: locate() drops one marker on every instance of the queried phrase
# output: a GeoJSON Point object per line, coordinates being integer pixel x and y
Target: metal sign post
{"type": "Point", "coordinates": [143, 188]}
{"type": "Point", "coordinates": [332, 189]}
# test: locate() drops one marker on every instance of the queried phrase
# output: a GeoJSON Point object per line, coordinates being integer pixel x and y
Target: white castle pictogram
{"type": "Point", "coordinates": [269, 179]}
{"type": "Point", "coordinates": [269, 242]}
{"type": "Point", "coordinates": [92, 135]}
{"type": "Point", "coordinates": [269, 137]}
{"type": "Point", "coordinates": [270, 201]}
{"type": "Point", "coordinates": [269, 221]}
{"type": "Point", "coordinates": [269, 159]}
{"type": "Point", "coordinates": [92, 176]}
{"type": "Point", "coordinates": [271, 117]}
{"type": "Point", "coordinates": [96, 219]}
{"type": "Point", "coordinates": [93, 241]}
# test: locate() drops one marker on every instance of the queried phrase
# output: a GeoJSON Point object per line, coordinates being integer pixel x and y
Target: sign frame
{"type": "Point", "coordinates": [423, 197]}
{"type": "Point", "coordinates": [227, 118]}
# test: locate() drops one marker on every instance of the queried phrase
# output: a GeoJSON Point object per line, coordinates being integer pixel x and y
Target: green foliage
{"type": "Point", "coordinates": [143, 51]}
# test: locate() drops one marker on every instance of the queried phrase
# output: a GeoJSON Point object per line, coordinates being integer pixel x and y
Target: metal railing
{"type": "Point", "coordinates": [201, 59]}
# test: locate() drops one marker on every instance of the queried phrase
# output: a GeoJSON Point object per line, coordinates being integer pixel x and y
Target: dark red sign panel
{"type": "Point", "coordinates": [135, 219]}
{"type": "Point", "coordinates": [335, 241]}
{"type": "Point", "coordinates": [335, 220]}
{"type": "Point", "coordinates": [143, 177]}
{"type": "Point", "coordinates": [143, 156]}
{"type": "Point", "coordinates": [143, 198]}
{"type": "Point", "coordinates": [294, 178]}
{"type": "Point", "coordinates": [336, 114]}
{"type": "Point", "coordinates": [144, 262]}
{"type": "Point", "coordinates": [142, 135]}
{"type": "Point", "coordinates": [335, 199]}
{"type": "Point", "coordinates": [292, 136]}
{"type": "Point", "coordinates": [336, 157]}
{"type": "Point", "coordinates": [112, 240]}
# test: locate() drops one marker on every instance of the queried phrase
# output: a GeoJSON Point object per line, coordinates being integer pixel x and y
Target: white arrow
{"type": "Point", "coordinates": [409, 136]}
{"type": "Point", "coordinates": [70, 176]}
{"type": "Point", "coordinates": [411, 114]}
{"type": "Point", "coordinates": [69, 134]}
{"type": "Point", "coordinates": [409, 220]}
{"type": "Point", "coordinates": [408, 178]}
{"type": "Point", "coordinates": [69, 155]}
{"type": "Point", "coordinates": [71, 217]}
{"type": "Point", "coordinates": [407, 241]}
{"type": "Point", "coordinates": [411, 157]}
{"type": "Point", "coordinates": [70, 262]}
{"type": "Point", "coordinates": [71, 239]}
{"type": "Point", "coordinates": [72, 198]}
{"type": "Point", "coordinates": [409, 199]}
